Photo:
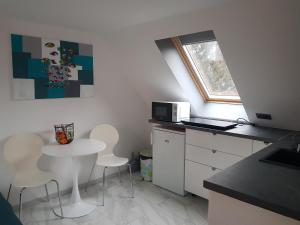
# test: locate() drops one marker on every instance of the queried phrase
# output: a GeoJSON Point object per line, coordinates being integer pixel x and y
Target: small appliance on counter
{"type": "Point", "coordinates": [209, 123]}
{"type": "Point", "coordinates": [171, 111]}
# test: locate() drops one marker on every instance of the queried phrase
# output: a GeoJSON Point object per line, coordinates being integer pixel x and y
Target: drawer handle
{"type": "Point", "coordinates": [214, 151]}
{"type": "Point", "coordinates": [167, 141]}
{"type": "Point", "coordinates": [213, 168]}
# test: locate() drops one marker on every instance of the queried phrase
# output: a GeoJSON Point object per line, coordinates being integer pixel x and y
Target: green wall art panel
{"type": "Point", "coordinates": [46, 69]}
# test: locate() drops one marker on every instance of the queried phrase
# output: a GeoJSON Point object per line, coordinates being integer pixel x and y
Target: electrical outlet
{"type": "Point", "coordinates": [264, 116]}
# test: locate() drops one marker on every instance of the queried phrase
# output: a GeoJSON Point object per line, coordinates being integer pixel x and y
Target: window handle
{"type": "Point", "coordinates": [214, 151]}
{"type": "Point", "coordinates": [213, 168]}
{"type": "Point", "coordinates": [167, 141]}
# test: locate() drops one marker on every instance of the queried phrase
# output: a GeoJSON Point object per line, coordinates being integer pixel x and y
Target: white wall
{"type": "Point", "coordinates": [260, 43]}
{"type": "Point", "coordinates": [115, 102]}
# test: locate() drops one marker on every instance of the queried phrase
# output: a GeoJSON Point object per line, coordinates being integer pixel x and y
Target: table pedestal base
{"type": "Point", "coordinates": [75, 210]}
{"type": "Point", "coordinates": [75, 207]}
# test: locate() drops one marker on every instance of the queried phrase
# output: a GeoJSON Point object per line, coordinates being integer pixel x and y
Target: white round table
{"type": "Point", "coordinates": [79, 147]}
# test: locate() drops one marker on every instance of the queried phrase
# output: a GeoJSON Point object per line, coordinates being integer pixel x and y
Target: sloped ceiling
{"type": "Point", "coordinates": [259, 40]}
{"type": "Point", "coordinates": [99, 15]}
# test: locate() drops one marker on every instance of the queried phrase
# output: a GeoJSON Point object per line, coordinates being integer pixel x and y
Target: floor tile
{"type": "Point", "coordinates": [150, 206]}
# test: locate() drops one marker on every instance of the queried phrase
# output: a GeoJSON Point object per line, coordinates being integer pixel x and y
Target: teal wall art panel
{"type": "Point", "coordinates": [46, 69]}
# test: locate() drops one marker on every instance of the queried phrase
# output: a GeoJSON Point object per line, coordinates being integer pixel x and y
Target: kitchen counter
{"type": "Point", "coordinates": [272, 187]}
{"type": "Point", "coordinates": [244, 131]}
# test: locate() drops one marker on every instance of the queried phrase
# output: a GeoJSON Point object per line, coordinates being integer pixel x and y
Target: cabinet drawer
{"type": "Point", "coordinates": [232, 145]}
{"type": "Point", "coordinates": [195, 174]}
{"type": "Point", "coordinates": [212, 158]}
{"type": "Point", "coordinates": [259, 145]}
{"type": "Point", "coordinates": [199, 138]}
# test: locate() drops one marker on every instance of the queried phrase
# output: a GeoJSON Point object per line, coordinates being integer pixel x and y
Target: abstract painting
{"type": "Point", "coordinates": [45, 69]}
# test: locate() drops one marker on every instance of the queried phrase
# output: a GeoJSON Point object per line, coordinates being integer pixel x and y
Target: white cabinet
{"type": "Point", "coordinates": [168, 159]}
{"type": "Point", "coordinates": [209, 157]}
{"type": "Point", "coordinates": [199, 138]}
{"type": "Point", "coordinates": [195, 174]}
{"type": "Point", "coordinates": [225, 210]}
{"type": "Point", "coordinates": [232, 145]}
{"type": "Point", "coordinates": [182, 161]}
{"type": "Point", "coordinates": [259, 145]}
{"type": "Point", "coordinates": [207, 154]}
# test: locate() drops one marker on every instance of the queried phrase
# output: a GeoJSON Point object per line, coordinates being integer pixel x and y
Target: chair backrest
{"type": "Point", "coordinates": [108, 134]}
{"type": "Point", "coordinates": [23, 151]}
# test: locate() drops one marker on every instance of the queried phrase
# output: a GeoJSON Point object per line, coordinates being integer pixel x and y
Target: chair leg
{"type": "Point", "coordinates": [103, 185]}
{"type": "Point", "coordinates": [21, 202]}
{"type": "Point", "coordinates": [88, 183]}
{"type": "Point", "coordinates": [47, 193]}
{"type": "Point", "coordinates": [120, 178]}
{"type": "Point", "coordinates": [59, 199]}
{"type": "Point", "coordinates": [131, 180]}
{"type": "Point", "coordinates": [8, 194]}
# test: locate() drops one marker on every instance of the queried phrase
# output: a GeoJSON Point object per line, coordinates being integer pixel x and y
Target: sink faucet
{"type": "Point", "coordinates": [298, 148]}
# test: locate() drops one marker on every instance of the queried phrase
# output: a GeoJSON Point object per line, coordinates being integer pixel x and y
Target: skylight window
{"type": "Point", "coordinates": [203, 58]}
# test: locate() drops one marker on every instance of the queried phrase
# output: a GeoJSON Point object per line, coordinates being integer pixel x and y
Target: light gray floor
{"type": "Point", "coordinates": [151, 206]}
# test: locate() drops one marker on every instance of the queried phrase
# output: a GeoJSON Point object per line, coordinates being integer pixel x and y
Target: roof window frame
{"type": "Point", "coordinates": [193, 72]}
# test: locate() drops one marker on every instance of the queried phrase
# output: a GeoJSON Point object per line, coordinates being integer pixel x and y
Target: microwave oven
{"type": "Point", "coordinates": [171, 111]}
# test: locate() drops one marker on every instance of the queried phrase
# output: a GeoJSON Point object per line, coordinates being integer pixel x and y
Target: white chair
{"type": "Point", "coordinates": [22, 152]}
{"type": "Point", "coordinates": [106, 158]}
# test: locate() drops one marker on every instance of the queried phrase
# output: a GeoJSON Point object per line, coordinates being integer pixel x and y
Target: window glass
{"type": "Point", "coordinates": [210, 66]}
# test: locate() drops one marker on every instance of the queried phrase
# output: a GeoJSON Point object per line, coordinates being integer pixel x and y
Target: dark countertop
{"type": "Point", "coordinates": [245, 131]}
{"type": "Point", "coordinates": [275, 188]}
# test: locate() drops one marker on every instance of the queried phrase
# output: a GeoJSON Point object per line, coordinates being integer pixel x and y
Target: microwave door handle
{"type": "Point", "coordinates": [174, 113]}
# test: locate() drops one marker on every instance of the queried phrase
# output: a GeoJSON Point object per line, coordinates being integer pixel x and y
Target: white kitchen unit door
{"type": "Point", "coordinates": [168, 159]}
{"type": "Point", "coordinates": [232, 145]}
{"type": "Point", "coordinates": [208, 157]}
{"type": "Point", "coordinates": [199, 138]}
{"type": "Point", "coordinates": [224, 210]}
{"type": "Point", "coordinates": [195, 174]}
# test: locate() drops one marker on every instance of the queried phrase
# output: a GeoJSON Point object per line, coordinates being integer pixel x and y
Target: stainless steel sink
{"type": "Point", "coordinates": [284, 157]}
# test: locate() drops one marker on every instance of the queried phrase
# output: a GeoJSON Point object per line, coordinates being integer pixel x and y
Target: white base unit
{"type": "Point", "coordinates": [199, 138]}
{"type": "Point", "coordinates": [232, 145]}
{"type": "Point", "coordinates": [195, 174]}
{"type": "Point", "coordinates": [224, 210]}
{"type": "Point", "coordinates": [183, 160]}
{"type": "Point", "coordinates": [209, 157]}
{"type": "Point", "coordinates": [207, 154]}
{"type": "Point", "coordinates": [168, 159]}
